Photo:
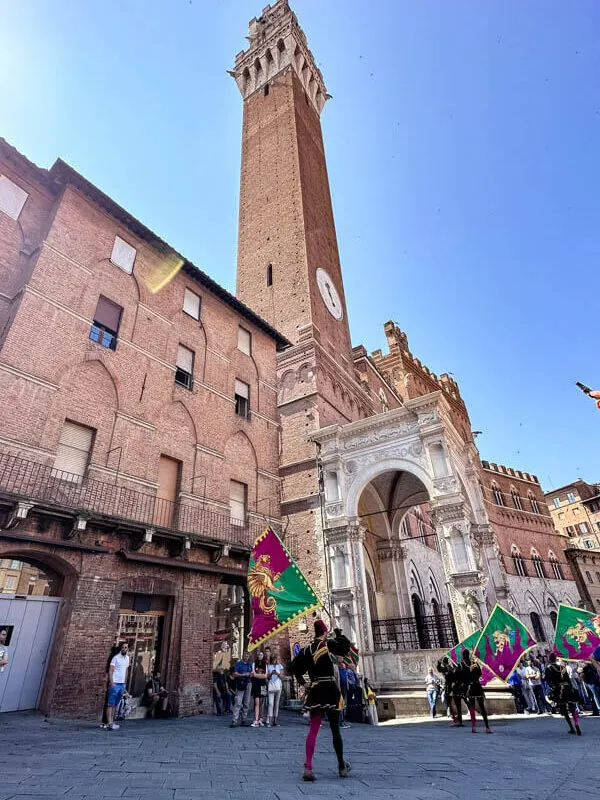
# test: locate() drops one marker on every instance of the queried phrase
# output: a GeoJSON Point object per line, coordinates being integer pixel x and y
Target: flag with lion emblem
{"type": "Point", "coordinates": [278, 590]}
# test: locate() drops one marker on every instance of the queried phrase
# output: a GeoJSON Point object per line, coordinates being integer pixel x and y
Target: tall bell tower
{"type": "Point", "coordinates": [288, 261]}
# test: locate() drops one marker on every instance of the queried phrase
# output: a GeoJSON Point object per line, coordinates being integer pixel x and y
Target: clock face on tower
{"type": "Point", "coordinates": [329, 294]}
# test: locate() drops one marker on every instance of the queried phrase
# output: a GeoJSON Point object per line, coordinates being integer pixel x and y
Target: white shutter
{"type": "Point", "coordinates": [244, 340]}
{"type": "Point", "coordinates": [191, 304]}
{"type": "Point", "coordinates": [73, 451]}
{"type": "Point", "coordinates": [123, 254]}
{"type": "Point", "coordinates": [12, 197]}
{"type": "Point", "coordinates": [185, 359]}
{"type": "Point", "coordinates": [237, 502]}
{"type": "Point", "coordinates": [242, 389]}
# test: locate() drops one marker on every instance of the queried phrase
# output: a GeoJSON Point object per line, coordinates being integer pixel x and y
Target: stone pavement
{"type": "Point", "coordinates": [203, 759]}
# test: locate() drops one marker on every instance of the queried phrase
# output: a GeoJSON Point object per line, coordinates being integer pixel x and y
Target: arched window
{"type": "Point", "coordinates": [518, 562]}
{"type": "Point", "coordinates": [498, 496]}
{"type": "Point", "coordinates": [555, 566]}
{"type": "Point", "coordinates": [420, 526]}
{"type": "Point", "coordinates": [538, 564]}
{"type": "Point", "coordinates": [405, 528]}
{"type": "Point", "coordinates": [538, 628]}
{"type": "Point", "coordinates": [534, 503]}
{"type": "Point", "coordinates": [516, 500]}
{"type": "Point", "coordinates": [553, 618]}
{"type": "Point", "coordinates": [269, 274]}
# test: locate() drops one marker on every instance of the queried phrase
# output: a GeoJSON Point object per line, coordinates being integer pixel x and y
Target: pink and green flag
{"type": "Point", "coordinates": [279, 591]}
{"type": "Point", "coordinates": [577, 633]}
{"type": "Point", "coordinates": [503, 642]}
{"type": "Point", "coordinates": [455, 654]}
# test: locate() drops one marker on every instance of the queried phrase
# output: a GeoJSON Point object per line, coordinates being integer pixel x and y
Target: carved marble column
{"type": "Point", "coordinates": [465, 580]}
{"type": "Point", "coordinates": [391, 564]}
{"type": "Point", "coordinates": [349, 594]}
{"type": "Point", "coordinates": [487, 557]}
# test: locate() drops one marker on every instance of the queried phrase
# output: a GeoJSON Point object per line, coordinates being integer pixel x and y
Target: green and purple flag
{"type": "Point", "coordinates": [577, 633]}
{"type": "Point", "coordinates": [503, 642]}
{"type": "Point", "coordinates": [279, 591]}
{"type": "Point", "coordinates": [455, 654]}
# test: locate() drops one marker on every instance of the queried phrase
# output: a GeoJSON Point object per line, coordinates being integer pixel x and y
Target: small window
{"type": "Point", "coordinates": [10, 584]}
{"type": "Point", "coordinates": [242, 399]}
{"type": "Point", "coordinates": [105, 327]}
{"type": "Point", "coordinates": [244, 341]}
{"type": "Point", "coordinates": [589, 544]}
{"type": "Point", "coordinates": [12, 198]}
{"type": "Point", "coordinates": [556, 502]}
{"type": "Point", "coordinates": [583, 528]}
{"type": "Point", "coordinates": [598, 525]}
{"type": "Point", "coordinates": [15, 565]}
{"type": "Point", "coordinates": [184, 374]}
{"type": "Point", "coordinates": [557, 570]}
{"type": "Point", "coordinates": [534, 505]}
{"type": "Point", "coordinates": [518, 562]}
{"type": "Point", "coordinates": [73, 452]}
{"type": "Point", "coordinates": [598, 576]}
{"type": "Point", "coordinates": [266, 90]}
{"type": "Point", "coordinates": [123, 255]}
{"type": "Point", "coordinates": [191, 304]}
{"type": "Point", "coordinates": [238, 494]}
{"type": "Point", "coordinates": [538, 566]}
{"type": "Point", "coordinates": [498, 496]}
{"type": "Point", "coordinates": [588, 575]}
{"type": "Point", "coordinates": [269, 274]}
{"type": "Point", "coordinates": [571, 497]}
{"type": "Point", "coordinates": [517, 501]}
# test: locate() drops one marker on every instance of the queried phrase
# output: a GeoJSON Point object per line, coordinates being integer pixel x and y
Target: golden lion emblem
{"type": "Point", "coordinates": [261, 579]}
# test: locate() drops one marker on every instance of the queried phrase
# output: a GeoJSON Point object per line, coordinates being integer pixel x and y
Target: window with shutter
{"type": "Point", "coordinates": [242, 399]}
{"type": "Point", "coordinates": [237, 502]}
{"type": "Point", "coordinates": [107, 319]}
{"type": "Point", "coordinates": [244, 341]}
{"type": "Point", "coordinates": [191, 304]}
{"type": "Point", "coordinates": [12, 197]}
{"type": "Point", "coordinates": [123, 255]}
{"type": "Point", "coordinates": [73, 452]}
{"type": "Point", "coordinates": [185, 367]}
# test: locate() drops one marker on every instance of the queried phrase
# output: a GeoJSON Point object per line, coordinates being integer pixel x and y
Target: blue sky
{"type": "Point", "coordinates": [463, 153]}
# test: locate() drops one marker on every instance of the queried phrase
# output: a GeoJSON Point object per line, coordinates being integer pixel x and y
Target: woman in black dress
{"type": "Point", "coordinates": [562, 693]}
{"type": "Point", "coordinates": [259, 688]}
{"type": "Point", "coordinates": [323, 695]}
{"type": "Point", "coordinates": [471, 674]}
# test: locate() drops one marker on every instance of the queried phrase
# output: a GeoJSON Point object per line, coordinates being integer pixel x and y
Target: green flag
{"type": "Point", "coordinates": [577, 633]}
{"type": "Point", "coordinates": [503, 642]}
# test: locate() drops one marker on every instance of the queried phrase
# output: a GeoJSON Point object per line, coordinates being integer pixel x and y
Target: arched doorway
{"type": "Point", "coordinates": [417, 605]}
{"type": "Point", "coordinates": [30, 595]}
{"type": "Point", "coordinates": [538, 628]}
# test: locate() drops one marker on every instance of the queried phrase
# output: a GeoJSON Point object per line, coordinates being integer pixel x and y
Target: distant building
{"type": "Point", "coordinates": [575, 510]}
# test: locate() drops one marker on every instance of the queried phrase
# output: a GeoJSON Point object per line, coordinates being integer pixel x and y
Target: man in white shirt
{"type": "Point", "coordinates": [117, 681]}
{"type": "Point", "coordinates": [3, 646]}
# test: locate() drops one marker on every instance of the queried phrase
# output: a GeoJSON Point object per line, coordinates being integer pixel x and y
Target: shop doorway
{"type": "Point", "coordinates": [29, 605]}
{"type": "Point", "coordinates": [142, 624]}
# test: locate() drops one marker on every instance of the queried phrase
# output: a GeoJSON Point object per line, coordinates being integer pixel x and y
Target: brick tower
{"type": "Point", "coordinates": [288, 262]}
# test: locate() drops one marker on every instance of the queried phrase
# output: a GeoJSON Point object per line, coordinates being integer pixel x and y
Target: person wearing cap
{"type": "Point", "coordinates": [323, 695]}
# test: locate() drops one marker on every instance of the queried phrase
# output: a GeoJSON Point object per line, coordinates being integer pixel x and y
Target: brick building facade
{"type": "Point", "coordinates": [138, 436]}
{"type": "Point", "coordinates": [575, 510]}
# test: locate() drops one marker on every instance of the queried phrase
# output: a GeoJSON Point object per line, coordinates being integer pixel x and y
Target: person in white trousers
{"type": "Point", "coordinates": [274, 687]}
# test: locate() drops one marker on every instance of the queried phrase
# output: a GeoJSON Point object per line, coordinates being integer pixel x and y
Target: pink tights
{"type": "Point", "coordinates": [311, 739]}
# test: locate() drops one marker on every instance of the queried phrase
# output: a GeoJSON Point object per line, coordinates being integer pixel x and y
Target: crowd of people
{"type": "Point", "coordinates": [541, 684]}
{"type": "Point", "coordinates": [254, 686]}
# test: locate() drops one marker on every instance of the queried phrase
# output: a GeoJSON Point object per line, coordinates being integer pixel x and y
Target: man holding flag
{"type": "Point", "coordinates": [280, 594]}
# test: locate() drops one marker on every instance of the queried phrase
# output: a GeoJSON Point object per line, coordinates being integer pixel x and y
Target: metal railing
{"type": "Point", "coordinates": [39, 483]}
{"type": "Point", "coordinates": [408, 633]}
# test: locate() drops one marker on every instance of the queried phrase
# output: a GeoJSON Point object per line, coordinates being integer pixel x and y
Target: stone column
{"type": "Point", "coordinates": [391, 563]}
{"type": "Point", "coordinates": [465, 581]}
{"type": "Point", "coordinates": [487, 557]}
{"type": "Point", "coordinates": [349, 595]}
